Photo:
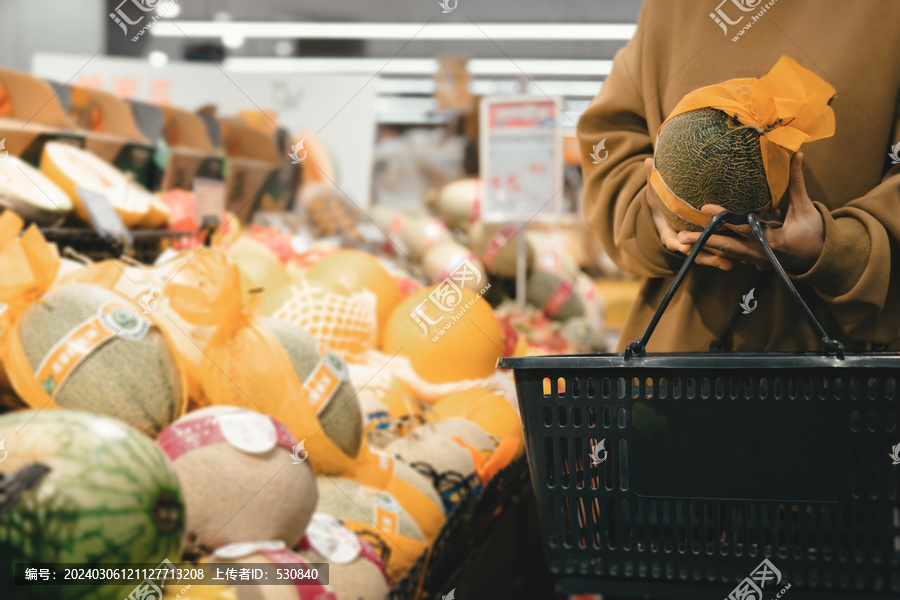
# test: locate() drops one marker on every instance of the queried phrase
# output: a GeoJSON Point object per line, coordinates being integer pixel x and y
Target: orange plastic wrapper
{"type": "Point", "coordinates": [30, 266]}
{"type": "Point", "coordinates": [245, 364]}
{"type": "Point", "coordinates": [790, 105]}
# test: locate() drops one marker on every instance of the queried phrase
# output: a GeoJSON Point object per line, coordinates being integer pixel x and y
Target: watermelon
{"type": "Point", "coordinates": [132, 376]}
{"type": "Point", "coordinates": [100, 493]}
{"type": "Point", "coordinates": [704, 156]}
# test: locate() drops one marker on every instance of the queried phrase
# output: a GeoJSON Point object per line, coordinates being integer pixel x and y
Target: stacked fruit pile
{"type": "Point", "coordinates": [565, 311]}
{"type": "Point", "coordinates": [234, 404]}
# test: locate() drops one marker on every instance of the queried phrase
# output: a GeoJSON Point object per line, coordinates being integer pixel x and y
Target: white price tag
{"type": "Point", "coordinates": [521, 159]}
{"type": "Point", "coordinates": [103, 216]}
{"type": "Point", "coordinates": [209, 200]}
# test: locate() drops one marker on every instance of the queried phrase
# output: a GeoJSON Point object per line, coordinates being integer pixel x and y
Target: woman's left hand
{"type": "Point", "coordinates": [797, 243]}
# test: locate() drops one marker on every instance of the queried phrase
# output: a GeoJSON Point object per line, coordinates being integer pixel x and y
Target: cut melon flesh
{"type": "Point", "coordinates": [30, 194]}
{"type": "Point", "coordinates": [72, 168]}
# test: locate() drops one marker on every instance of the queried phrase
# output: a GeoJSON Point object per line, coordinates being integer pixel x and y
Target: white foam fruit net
{"type": "Point", "coordinates": [347, 325]}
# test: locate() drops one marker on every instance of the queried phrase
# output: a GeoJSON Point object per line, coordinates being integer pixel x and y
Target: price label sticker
{"type": "Point", "coordinates": [521, 159]}
{"type": "Point", "coordinates": [103, 216]}
{"type": "Point", "coordinates": [209, 199]}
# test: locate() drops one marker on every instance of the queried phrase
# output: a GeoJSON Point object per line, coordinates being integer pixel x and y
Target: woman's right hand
{"type": "Point", "coordinates": [669, 236]}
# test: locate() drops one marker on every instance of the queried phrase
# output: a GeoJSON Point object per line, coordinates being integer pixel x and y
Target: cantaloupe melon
{"type": "Point", "coordinates": [338, 409]}
{"type": "Point", "coordinates": [463, 342]}
{"type": "Point", "coordinates": [464, 429]}
{"type": "Point", "coordinates": [157, 216]}
{"type": "Point", "coordinates": [352, 271]}
{"type": "Point", "coordinates": [447, 259]}
{"type": "Point", "coordinates": [71, 168]}
{"type": "Point", "coordinates": [271, 553]}
{"type": "Point", "coordinates": [459, 202]}
{"type": "Point", "coordinates": [354, 570]}
{"type": "Point", "coordinates": [449, 466]}
{"type": "Point", "coordinates": [236, 470]}
{"type": "Point", "coordinates": [489, 410]}
{"type": "Point", "coordinates": [91, 349]}
{"type": "Point", "coordinates": [85, 489]}
{"type": "Point", "coordinates": [376, 517]}
{"type": "Point", "coordinates": [31, 194]}
{"type": "Point", "coordinates": [705, 157]}
{"type": "Point", "coordinates": [497, 246]}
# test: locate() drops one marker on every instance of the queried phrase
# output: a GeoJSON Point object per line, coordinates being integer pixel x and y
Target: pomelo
{"type": "Point", "coordinates": [554, 294]}
{"type": "Point", "coordinates": [489, 410]}
{"type": "Point", "coordinates": [271, 553]}
{"type": "Point", "coordinates": [497, 246]}
{"type": "Point", "coordinates": [338, 409]}
{"type": "Point", "coordinates": [354, 271]}
{"type": "Point", "coordinates": [236, 469]}
{"type": "Point", "coordinates": [459, 202]}
{"type": "Point", "coordinates": [91, 349]}
{"type": "Point", "coordinates": [345, 324]}
{"type": "Point", "coordinates": [93, 490]}
{"type": "Point", "coordinates": [705, 156]}
{"type": "Point", "coordinates": [447, 334]}
{"type": "Point", "coordinates": [31, 194]}
{"type": "Point", "coordinates": [449, 260]}
{"type": "Point", "coordinates": [421, 234]}
{"type": "Point", "coordinates": [354, 570]}
{"type": "Point", "coordinates": [378, 518]}
{"type": "Point", "coordinates": [71, 168]}
{"type": "Point", "coordinates": [260, 269]}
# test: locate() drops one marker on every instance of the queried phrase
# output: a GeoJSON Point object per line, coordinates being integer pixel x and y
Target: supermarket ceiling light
{"type": "Point", "coordinates": [421, 66]}
{"type": "Point", "coordinates": [396, 31]}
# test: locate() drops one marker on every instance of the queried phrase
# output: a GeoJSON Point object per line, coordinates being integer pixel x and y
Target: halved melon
{"type": "Point", "coordinates": [30, 194]}
{"type": "Point", "coordinates": [71, 168]}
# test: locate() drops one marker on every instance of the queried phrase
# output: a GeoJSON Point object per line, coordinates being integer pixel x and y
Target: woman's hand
{"type": "Point", "coordinates": [669, 236]}
{"type": "Point", "coordinates": [797, 243]}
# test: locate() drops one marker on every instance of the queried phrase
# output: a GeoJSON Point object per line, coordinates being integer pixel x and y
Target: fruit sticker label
{"type": "Point", "coordinates": [332, 540]}
{"type": "Point", "coordinates": [114, 319]}
{"type": "Point", "coordinates": [244, 431]}
{"type": "Point", "coordinates": [387, 512]}
{"type": "Point", "coordinates": [329, 373]}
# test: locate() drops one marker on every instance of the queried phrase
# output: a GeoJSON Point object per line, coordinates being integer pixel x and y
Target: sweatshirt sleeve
{"type": "Point", "coordinates": [615, 204]}
{"type": "Point", "coordinates": [858, 272]}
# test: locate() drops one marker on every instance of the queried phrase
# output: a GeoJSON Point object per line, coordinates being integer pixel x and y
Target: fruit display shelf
{"type": "Point", "coordinates": [147, 245]}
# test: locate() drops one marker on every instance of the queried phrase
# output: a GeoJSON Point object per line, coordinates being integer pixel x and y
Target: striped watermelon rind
{"type": "Point", "coordinates": [111, 497]}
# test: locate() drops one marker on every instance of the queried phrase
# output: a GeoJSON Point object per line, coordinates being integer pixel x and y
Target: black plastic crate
{"type": "Point", "coordinates": [147, 244]}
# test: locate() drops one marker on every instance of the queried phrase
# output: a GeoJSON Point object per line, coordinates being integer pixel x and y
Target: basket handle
{"type": "Point", "coordinates": [830, 347]}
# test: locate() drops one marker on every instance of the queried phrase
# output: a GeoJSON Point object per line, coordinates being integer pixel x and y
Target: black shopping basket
{"type": "Point", "coordinates": [692, 476]}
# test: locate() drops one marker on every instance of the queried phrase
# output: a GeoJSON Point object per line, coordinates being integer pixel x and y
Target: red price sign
{"type": "Point", "coordinates": [521, 159]}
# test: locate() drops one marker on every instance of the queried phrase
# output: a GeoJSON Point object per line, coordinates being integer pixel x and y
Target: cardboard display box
{"type": "Point", "coordinates": [31, 115]}
{"type": "Point", "coordinates": [191, 153]}
{"type": "Point", "coordinates": [259, 177]}
{"type": "Point", "coordinates": [111, 132]}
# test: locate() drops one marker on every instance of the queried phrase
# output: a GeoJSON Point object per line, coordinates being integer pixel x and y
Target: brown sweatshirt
{"type": "Point", "coordinates": [854, 288]}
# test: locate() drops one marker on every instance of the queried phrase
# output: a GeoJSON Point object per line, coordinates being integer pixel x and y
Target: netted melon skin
{"type": "Point", "coordinates": [729, 172]}
{"type": "Point", "coordinates": [137, 382]}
